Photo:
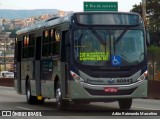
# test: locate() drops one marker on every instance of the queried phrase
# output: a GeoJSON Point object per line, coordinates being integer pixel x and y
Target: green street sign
{"type": "Point", "coordinates": [100, 6]}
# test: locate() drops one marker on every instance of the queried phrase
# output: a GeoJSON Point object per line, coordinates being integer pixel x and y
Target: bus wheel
{"type": "Point", "coordinates": [61, 104]}
{"type": "Point", "coordinates": [30, 99]}
{"type": "Point", "coordinates": [125, 103]}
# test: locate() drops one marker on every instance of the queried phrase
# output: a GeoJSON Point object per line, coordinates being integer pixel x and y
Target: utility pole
{"type": "Point", "coordinates": [144, 12]}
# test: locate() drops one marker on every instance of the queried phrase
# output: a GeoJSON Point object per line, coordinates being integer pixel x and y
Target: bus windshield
{"type": "Point", "coordinates": [101, 47]}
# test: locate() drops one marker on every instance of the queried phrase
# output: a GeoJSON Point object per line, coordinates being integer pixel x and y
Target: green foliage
{"type": "Point", "coordinates": [137, 9]}
{"type": "Point", "coordinates": [153, 19]}
{"type": "Point", "coordinates": [154, 49]}
{"type": "Point", "coordinates": [152, 10]}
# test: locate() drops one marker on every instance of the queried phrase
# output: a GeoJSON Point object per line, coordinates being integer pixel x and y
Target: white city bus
{"type": "Point", "coordinates": [83, 57]}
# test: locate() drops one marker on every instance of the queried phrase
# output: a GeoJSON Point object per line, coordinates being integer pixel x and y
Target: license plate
{"type": "Point", "coordinates": [110, 89]}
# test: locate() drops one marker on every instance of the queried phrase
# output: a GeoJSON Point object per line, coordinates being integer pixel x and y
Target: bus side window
{"type": "Point", "coordinates": [45, 45]}
{"type": "Point", "coordinates": [31, 46]}
{"type": "Point", "coordinates": [25, 46]}
{"type": "Point", "coordinates": [56, 43]}
{"type": "Point", "coordinates": [45, 36]}
{"type": "Point", "coordinates": [51, 40]}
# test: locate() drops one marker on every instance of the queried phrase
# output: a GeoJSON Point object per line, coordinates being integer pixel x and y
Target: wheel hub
{"type": "Point", "coordinates": [58, 95]}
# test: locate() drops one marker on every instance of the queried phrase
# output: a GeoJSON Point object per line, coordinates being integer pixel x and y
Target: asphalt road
{"type": "Point", "coordinates": [10, 100]}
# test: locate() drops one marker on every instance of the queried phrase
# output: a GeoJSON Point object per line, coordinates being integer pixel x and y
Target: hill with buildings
{"type": "Point", "coordinates": [13, 20]}
{"type": "Point", "coordinates": [22, 14]}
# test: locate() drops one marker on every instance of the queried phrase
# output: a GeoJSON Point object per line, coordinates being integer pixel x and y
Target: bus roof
{"type": "Point", "coordinates": [58, 20]}
{"type": "Point", "coordinates": [45, 23]}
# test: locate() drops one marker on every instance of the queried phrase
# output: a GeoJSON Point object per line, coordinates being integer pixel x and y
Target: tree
{"type": "Point", "coordinates": [137, 9]}
{"type": "Point", "coordinates": [153, 11]}
{"type": "Point", "coordinates": [153, 18]}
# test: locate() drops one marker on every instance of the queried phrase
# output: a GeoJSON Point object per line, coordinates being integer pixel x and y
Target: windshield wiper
{"type": "Point", "coordinates": [119, 38]}
{"type": "Point", "coordinates": [97, 36]}
{"type": "Point", "coordinates": [80, 37]}
{"type": "Point", "coordinates": [121, 35]}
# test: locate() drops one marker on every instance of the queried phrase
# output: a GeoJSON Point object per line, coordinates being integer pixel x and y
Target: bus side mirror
{"type": "Point", "coordinates": [147, 37]}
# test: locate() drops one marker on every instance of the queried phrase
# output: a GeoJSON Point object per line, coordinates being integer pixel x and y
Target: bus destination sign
{"type": "Point", "coordinates": [100, 6]}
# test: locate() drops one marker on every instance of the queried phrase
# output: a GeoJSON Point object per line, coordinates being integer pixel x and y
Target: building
{"type": "Point", "coordinates": [6, 51]}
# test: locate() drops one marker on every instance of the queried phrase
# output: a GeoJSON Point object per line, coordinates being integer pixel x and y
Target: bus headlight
{"type": "Point", "coordinates": [76, 77]}
{"type": "Point", "coordinates": [143, 76]}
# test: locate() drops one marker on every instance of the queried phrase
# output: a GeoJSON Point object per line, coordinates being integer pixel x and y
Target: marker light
{"type": "Point", "coordinates": [143, 76]}
{"type": "Point", "coordinates": [76, 77]}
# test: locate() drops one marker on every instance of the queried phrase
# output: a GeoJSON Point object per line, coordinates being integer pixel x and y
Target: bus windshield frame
{"type": "Point", "coordinates": [130, 35]}
{"type": "Point", "coordinates": [110, 19]}
{"type": "Point", "coordinates": [99, 47]}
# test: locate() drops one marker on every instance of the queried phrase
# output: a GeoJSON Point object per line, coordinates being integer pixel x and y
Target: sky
{"type": "Point", "coordinates": [64, 5]}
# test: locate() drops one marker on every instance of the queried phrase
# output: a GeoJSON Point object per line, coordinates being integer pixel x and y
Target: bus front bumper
{"type": "Point", "coordinates": [84, 91]}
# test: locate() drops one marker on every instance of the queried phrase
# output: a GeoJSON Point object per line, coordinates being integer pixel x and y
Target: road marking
{"type": "Point", "coordinates": [24, 108]}
{"type": "Point", "coordinates": [144, 108]}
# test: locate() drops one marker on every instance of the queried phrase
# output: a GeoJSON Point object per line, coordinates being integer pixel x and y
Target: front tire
{"type": "Point", "coordinates": [61, 104]}
{"type": "Point", "coordinates": [125, 103]}
{"type": "Point", "coordinates": [30, 99]}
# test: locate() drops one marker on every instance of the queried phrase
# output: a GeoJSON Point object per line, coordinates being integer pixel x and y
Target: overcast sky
{"type": "Point", "coordinates": [66, 5]}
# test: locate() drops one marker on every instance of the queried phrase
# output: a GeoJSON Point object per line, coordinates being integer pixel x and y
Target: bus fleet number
{"type": "Point", "coordinates": [124, 80]}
